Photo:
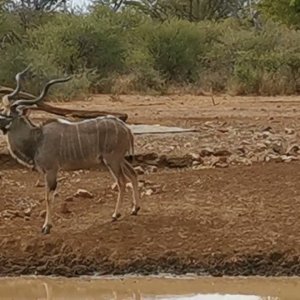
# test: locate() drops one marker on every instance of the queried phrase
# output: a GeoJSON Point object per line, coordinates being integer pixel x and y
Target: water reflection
{"type": "Point", "coordinates": [149, 289]}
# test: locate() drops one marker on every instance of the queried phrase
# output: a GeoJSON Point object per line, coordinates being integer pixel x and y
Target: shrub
{"type": "Point", "coordinates": [127, 51]}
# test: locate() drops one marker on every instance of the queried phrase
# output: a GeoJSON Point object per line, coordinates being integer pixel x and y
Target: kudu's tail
{"type": "Point", "coordinates": [131, 147]}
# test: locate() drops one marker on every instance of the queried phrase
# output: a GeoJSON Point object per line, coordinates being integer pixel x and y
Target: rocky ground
{"type": "Point", "coordinates": [222, 200]}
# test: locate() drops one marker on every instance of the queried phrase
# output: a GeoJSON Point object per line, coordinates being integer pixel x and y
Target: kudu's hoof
{"type": "Point", "coordinates": [46, 229]}
{"type": "Point", "coordinates": [135, 211]}
{"type": "Point", "coordinates": [116, 217]}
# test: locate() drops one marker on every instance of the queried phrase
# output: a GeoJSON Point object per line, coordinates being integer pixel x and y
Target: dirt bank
{"type": "Point", "coordinates": [232, 219]}
{"type": "Point", "coordinates": [237, 221]}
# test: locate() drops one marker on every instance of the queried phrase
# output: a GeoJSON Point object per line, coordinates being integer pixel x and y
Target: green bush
{"type": "Point", "coordinates": [128, 52]}
{"type": "Point", "coordinates": [175, 48]}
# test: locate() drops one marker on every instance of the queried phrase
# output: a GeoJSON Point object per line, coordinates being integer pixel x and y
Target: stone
{"type": "Point", "coordinates": [27, 212]}
{"type": "Point", "coordinates": [287, 158]}
{"type": "Point", "coordinates": [64, 209]}
{"type": "Point", "coordinates": [268, 128]}
{"type": "Point", "coordinates": [69, 199]}
{"type": "Point", "coordinates": [206, 152]}
{"type": "Point", "coordinates": [289, 131]}
{"type": "Point", "coordinates": [278, 148]}
{"type": "Point", "coordinates": [222, 152]}
{"type": "Point", "coordinates": [10, 214]}
{"type": "Point", "coordinates": [149, 192]}
{"type": "Point", "coordinates": [220, 162]}
{"type": "Point", "coordinates": [272, 157]}
{"type": "Point", "coordinates": [114, 186]}
{"type": "Point", "coordinates": [223, 130]}
{"type": "Point", "coordinates": [81, 193]}
{"type": "Point", "coordinates": [139, 170]}
{"type": "Point", "coordinates": [180, 162]}
{"type": "Point", "coordinates": [261, 147]}
{"type": "Point", "coordinates": [43, 214]}
{"type": "Point", "coordinates": [292, 150]}
{"type": "Point", "coordinates": [221, 165]}
{"type": "Point", "coordinates": [152, 169]}
{"type": "Point", "coordinates": [39, 183]}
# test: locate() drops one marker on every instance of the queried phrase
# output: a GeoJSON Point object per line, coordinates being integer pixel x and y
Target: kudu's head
{"type": "Point", "coordinates": [16, 109]}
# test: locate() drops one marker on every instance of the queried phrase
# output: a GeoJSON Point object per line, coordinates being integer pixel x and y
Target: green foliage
{"type": "Point", "coordinates": [71, 42]}
{"type": "Point", "coordinates": [285, 11]}
{"type": "Point", "coordinates": [126, 51]}
{"type": "Point", "coordinates": [174, 48]}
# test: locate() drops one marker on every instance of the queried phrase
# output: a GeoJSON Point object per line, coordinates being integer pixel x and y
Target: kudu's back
{"type": "Point", "coordinates": [80, 145]}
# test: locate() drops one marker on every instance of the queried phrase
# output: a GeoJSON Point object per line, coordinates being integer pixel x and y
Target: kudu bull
{"type": "Point", "coordinates": [63, 145]}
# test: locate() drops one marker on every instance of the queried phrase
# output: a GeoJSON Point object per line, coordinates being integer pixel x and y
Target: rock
{"type": "Point", "coordinates": [64, 209]}
{"type": "Point", "coordinates": [196, 156]}
{"type": "Point", "coordinates": [149, 158]}
{"type": "Point", "coordinates": [11, 214]}
{"type": "Point", "coordinates": [278, 148]}
{"type": "Point", "coordinates": [292, 150]}
{"type": "Point", "coordinates": [114, 186]}
{"type": "Point", "coordinates": [27, 212]}
{"type": "Point", "coordinates": [260, 147]}
{"type": "Point", "coordinates": [81, 193]}
{"type": "Point", "coordinates": [242, 161]}
{"type": "Point", "coordinates": [39, 183]}
{"type": "Point", "coordinates": [69, 199]}
{"type": "Point", "coordinates": [267, 129]}
{"type": "Point", "coordinates": [289, 131]}
{"type": "Point", "coordinates": [180, 162]}
{"type": "Point", "coordinates": [223, 130]}
{"type": "Point", "coordinates": [222, 152]}
{"type": "Point", "coordinates": [129, 185]}
{"type": "Point", "coordinates": [245, 143]}
{"type": "Point", "coordinates": [272, 157]}
{"type": "Point", "coordinates": [266, 134]}
{"type": "Point", "coordinates": [220, 162]}
{"type": "Point", "coordinates": [152, 169]}
{"type": "Point", "coordinates": [196, 163]}
{"type": "Point", "coordinates": [139, 170]}
{"type": "Point", "coordinates": [141, 184]}
{"type": "Point", "coordinates": [149, 192]}
{"type": "Point", "coordinates": [206, 152]}
{"type": "Point", "coordinates": [43, 214]}
{"type": "Point", "coordinates": [197, 159]}
{"type": "Point", "coordinates": [241, 150]}
{"type": "Point", "coordinates": [222, 165]}
{"type": "Point", "coordinates": [287, 158]}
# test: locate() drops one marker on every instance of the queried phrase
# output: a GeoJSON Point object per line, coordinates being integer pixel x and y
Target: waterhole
{"type": "Point", "coordinates": [150, 288]}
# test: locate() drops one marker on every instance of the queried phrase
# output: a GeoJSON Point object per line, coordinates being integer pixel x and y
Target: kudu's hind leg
{"type": "Point", "coordinates": [117, 172]}
{"type": "Point", "coordinates": [132, 176]}
{"type": "Point", "coordinates": [51, 184]}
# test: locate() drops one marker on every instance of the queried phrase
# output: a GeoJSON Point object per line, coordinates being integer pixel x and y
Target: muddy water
{"type": "Point", "coordinates": [134, 288]}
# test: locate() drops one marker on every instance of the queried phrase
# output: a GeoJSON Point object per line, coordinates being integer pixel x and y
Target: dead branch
{"type": "Point", "coordinates": [75, 113]}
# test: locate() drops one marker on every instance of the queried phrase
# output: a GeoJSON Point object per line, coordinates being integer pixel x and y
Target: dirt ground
{"type": "Point", "coordinates": [225, 202]}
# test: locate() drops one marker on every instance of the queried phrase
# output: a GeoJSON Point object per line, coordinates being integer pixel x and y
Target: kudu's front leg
{"type": "Point", "coordinates": [51, 184]}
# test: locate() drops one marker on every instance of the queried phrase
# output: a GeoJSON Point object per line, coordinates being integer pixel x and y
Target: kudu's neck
{"type": "Point", "coordinates": [23, 139]}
